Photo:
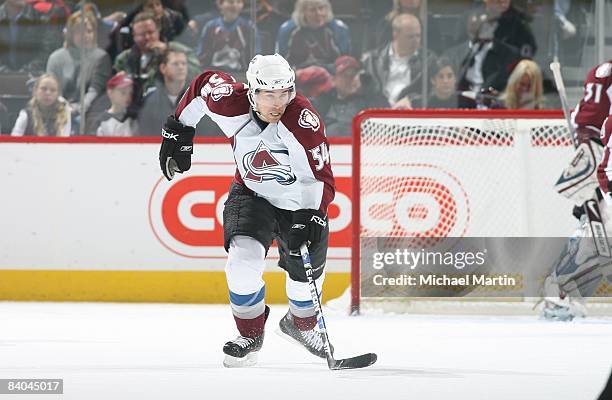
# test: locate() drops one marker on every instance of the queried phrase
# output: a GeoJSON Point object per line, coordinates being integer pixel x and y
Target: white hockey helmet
{"type": "Point", "coordinates": [269, 72]}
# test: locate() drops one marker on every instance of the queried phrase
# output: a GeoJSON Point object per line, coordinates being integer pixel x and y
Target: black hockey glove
{"type": "Point", "coordinates": [307, 226]}
{"type": "Point", "coordinates": [578, 212]}
{"type": "Point", "coordinates": [176, 148]}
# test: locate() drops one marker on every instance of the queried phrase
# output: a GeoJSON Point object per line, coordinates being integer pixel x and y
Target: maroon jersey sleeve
{"type": "Point", "coordinates": [304, 134]}
{"type": "Point", "coordinates": [604, 171]}
{"type": "Point", "coordinates": [596, 103]}
{"type": "Point", "coordinates": [212, 93]}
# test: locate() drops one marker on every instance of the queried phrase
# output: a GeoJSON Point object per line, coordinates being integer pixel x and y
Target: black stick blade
{"type": "Point", "coordinates": [362, 361]}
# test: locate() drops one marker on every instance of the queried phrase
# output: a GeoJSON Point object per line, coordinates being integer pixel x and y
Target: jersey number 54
{"type": "Point", "coordinates": [321, 155]}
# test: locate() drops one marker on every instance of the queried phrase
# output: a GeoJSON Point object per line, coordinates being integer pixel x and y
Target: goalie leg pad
{"type": "Point", "coordinates": [579, 271]}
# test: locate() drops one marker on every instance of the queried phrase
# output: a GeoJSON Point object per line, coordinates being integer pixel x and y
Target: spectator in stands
{"type": "Point", "coordinates": [382, 33]}
{"type": "Point", "coordinates": [179, 6]}
{"type": "Point", "coordinates": [443, 84]}
{"type": "Point", "coordinates": [199, 21]}
{"type": "Point", "coordinates": [351, 94]}
{"type": "Point", "coordinates": [142, 60]}
{"type": "Point", "coordinates": [162, 100]}
{"type": "Point", "coordinates": [55, 14]}
{"type": "Point", "coordinates": [116, 120]}
{"type": "Point", "coordinates": [499, 37]}
{"type": "Point", "coordinates": [47, 113]}
{"type": "Point", "coordinates": [225, 43]}
{"type": "Point", "coordinates": [80, 58]}
{"type": "Point", "coordinates": [105, 24]}
{"type": "Point", "coordinates": [524, 90]}
{"type": "Point", "coordinates": [313, 36]}
{"type": "Point", "coordinates": [170, 24]}
{"type": "Point", "coordinates": [313, 81]}
{"type": "Point", "coordinates": [384, 29]}
{"type": "Point", "coordinates": [21, 37]}
{"type": "Point", "coordinates": [397, 67]}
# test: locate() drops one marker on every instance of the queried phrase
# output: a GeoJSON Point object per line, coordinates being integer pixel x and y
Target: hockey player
{"type": "Point", "coordinates": [579, 269]}
{"type": "Point", "coordinates": [281, 190]}
{"type": "Point", "coordinates": [596, 105]}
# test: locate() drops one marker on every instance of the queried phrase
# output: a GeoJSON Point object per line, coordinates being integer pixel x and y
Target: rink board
{"type": "Point", "coordinates": [92, 219]}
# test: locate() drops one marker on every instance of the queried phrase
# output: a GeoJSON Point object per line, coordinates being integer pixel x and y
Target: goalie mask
{"type": "Point", "coordinates": [270, 72]}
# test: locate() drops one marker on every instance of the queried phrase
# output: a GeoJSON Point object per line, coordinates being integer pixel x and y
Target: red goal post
{"type": "Point", "coordinates": [462, 161]}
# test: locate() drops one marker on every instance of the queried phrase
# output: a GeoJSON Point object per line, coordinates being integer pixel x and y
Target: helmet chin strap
{"type": "Point", "coordinates": [251, 97]}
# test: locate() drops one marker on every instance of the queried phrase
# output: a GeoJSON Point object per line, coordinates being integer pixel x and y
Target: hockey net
{"type": "Point", "coordinates": [425, 175]}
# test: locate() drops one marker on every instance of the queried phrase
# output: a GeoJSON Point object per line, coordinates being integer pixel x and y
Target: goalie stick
{"type": "Point", "coordinates": [361, 361]}
{"type": "Point", "coordinates": [591, 207]}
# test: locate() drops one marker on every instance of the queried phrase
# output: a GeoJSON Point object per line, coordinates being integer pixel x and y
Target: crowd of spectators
{"type": "Point", "coordinates": [121, 73]}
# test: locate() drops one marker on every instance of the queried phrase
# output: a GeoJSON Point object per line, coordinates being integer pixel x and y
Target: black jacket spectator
{"type": "Point", "coordinates": [495, 46]}
{"type": "Point", "coordinates": [514, 31]}
{"type": "Point", "coordinates": [21, 47]}
{"type": "Point", "coordinates": [496, 68]}
{"type": "Point", "coordinates": [511, 28]}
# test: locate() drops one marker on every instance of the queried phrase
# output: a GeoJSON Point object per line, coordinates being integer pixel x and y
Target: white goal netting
{"type": "Point", "coordinates": [424, 176]}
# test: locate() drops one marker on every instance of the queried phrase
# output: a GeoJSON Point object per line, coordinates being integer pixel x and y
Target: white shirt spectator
{"type": "Point", "coordinates": [399, 74]}
{"type": "Point", "coordinates": [116, 125]}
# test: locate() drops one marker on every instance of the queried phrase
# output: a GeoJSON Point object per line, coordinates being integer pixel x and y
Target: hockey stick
{"type": "Point", "coordinates": [591, 207]}
{"type": "Point", "coordinates": [555, 67]}
{"type": "Point", "coordinates": [361, 361]}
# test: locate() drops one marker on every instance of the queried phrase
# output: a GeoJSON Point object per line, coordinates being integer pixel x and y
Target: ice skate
{"type": "Point", "coordinates": [311, 339]}
{"type": "Point", "coordinates": [558, 304]}
{"type": "Point", "coordinates": [562, 309]}
{"type": "Point", "coordinates": [242, 351]}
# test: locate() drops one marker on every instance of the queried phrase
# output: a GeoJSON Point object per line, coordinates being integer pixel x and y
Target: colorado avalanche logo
{"type": "Point", "coordinates": [309, 120]}
{"type": "Point", "coordinates": [260, 165]}
{"type": "Point", "coordinates": [222, 90]}
{"type": "Point", "coordinates": [603, 71]}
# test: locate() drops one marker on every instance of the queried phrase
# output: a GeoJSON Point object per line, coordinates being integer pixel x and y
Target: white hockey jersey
{"type": "Point", "coordinates": [287, 163]}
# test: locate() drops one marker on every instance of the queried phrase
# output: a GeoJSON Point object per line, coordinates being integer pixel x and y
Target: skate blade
{"type": "Point", "coordinates": [236, 362]}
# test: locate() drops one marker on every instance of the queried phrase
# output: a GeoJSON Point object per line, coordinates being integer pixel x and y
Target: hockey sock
{"type": "Point", "coordinates": [253, 327]}
{"type": "Point", "coordinates": [305, 324]}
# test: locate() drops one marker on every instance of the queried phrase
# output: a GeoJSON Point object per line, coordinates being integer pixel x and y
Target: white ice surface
{"type": "Point", "coordinates": [128, 351]}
